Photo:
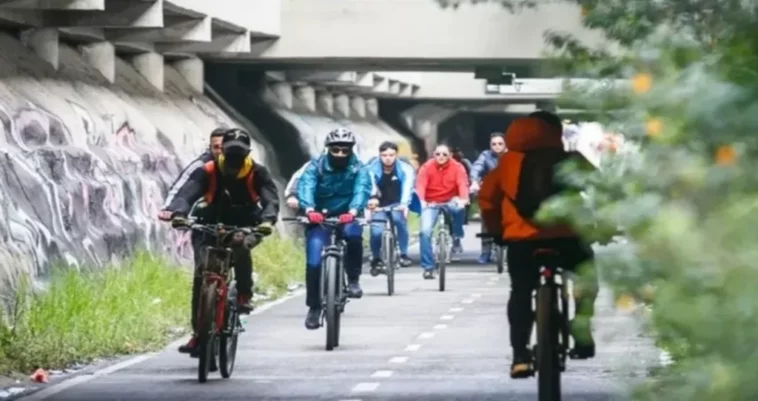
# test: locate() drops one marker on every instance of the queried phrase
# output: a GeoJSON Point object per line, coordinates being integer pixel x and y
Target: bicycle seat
{"type": "Point", "coordinates": [547, 257]}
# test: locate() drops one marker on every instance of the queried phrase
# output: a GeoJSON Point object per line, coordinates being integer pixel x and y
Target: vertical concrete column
{"type": "Point", "coordinates": [372, 107]}
{"type": "Point", "coordinates": [342, 105]}
{"type": "Point", "coordinates": [358, 105]}
{"type": "Point", "coordinates": [394, 87]}
{"type": "Point", "coordinates": [306, 95]}
{"type": "Point", "coordinates": [150, 66]}
{"type": "Point", "coordinates": [325, 101]}
{"type": "Point", "coordinates": [102, 56]}
{"type": "Point", "coordinates": [193, 71]}
{"type": "Point", "coordinates": [44, 42]}
{"type": "Point", "coordinates": [282, 93]}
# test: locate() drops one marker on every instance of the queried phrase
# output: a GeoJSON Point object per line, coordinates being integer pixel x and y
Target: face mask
{"type": "Point", "coordinates": [338, 162]}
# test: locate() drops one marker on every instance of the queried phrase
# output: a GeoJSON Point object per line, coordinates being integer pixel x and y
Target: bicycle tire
{"type": "Point", "coordinates": [331, 302]}
{"type": "Point", "coordinates": [500, 259]}
{"type": "Point", "coordinates": [227, 344]}
{"type": "Point", "coordinates": [548, 367]}
{"type": "Point", "coordinates": [342, 299]}
{"type": "Point", "coordinates": [388, 251]}
{"type": "Point", "coordinates": [442, 250]}
{"type": "Point", "coordinates": [206, 339]}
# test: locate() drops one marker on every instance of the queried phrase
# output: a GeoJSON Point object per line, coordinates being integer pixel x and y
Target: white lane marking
{"type": "Point", "coordinates": [455, 310]}
{"type": "Point", "coordinates": [495, 278]}
{"type": "Point", "coordinates": [467, 301]}
{"type": "Point", "coordinates": [365, 387]}
{"type": "Point", "coordinates": [447, 317]}
{"type": "Point", "coordinates": [426, 335]}
{"type": "Point", "coordinates": [413, 347]}
{"type": "Point", "coordinates": [76, 380]}
{"type": "Point", "coordinates": [382, 374]}
{"type": "Point", "coordinates": [476, 295]}
{"type": "Point", "coordinates": [440, 326]}
{"type": "Point", "coordinates": [399, 359]}
{"type": "Point", "coordinates": [491, 283]}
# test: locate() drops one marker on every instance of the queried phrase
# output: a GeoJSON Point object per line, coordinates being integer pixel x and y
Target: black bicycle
{"type": "Point", "coordinates": [390, 248]}
{"type": "Point", "coordinates": [442, 242]}
{"type": "Point", "coordinates": [218, 320]}
{"type": "Point", "coordinates": [497, 250]}
{"type": "Point", "coordinates": [552, 320]}
{"type": "Point", "coordinates": [333, 278]}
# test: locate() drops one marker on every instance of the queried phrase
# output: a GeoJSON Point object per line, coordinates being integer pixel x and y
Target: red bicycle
{"type": "Point", "coordinates": [218, 323]}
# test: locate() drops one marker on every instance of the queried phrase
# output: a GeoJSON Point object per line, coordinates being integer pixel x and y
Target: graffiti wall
{"type": "Point", "coordinates": [85, 164]}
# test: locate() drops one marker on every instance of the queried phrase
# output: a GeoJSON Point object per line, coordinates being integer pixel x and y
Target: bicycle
{"type": "Point", "coordinates": [389, 248]}
{"type": "Point", "coordinates": [218, 320]}
{"type": "Point", "coordinates": [552, 320]}
{"type": "Point", "coordinates": [498, 250]}
{"type": "Point", "coordinates": [442, 243]}
{"type": "Point", "coordinates": [333, 278]}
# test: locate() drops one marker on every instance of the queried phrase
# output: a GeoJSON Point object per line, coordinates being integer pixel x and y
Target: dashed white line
{"type": "Point", "coordinates": [398, 359]}
{"type": "Point", "coordinates": [413, 347]}
{"type": "Point", "coordinates": [447, 317]}
{"type": "Point", "coordinates": [467, 301]}
{"type": "Point", "coordinates": [476, 295]}
{"type": "Point", "coordinates": [365, 387]}
{"type": "Point", "coordinates": [426, 335]}
{"type": "Point", "coordinates": [382, 374]}
{"type": "Point", "coordinates": [495, 278]}
{"type": "Point", "coordinates": [455, 310]}
{"type": "Point", "coordinates": [440, 326]}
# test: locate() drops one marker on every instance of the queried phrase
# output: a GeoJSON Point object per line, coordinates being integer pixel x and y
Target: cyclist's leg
{"type": "Point", "coordinates": [401, 230]}
{"type": "Point", "coordinates": [375, 239]}
{"type": "Point", "coordinates": [199, 240]}
{"type": "Point", "coordinates": [456, 221]}
{"type": "Point", "coordinates": [243, 273]}
{"type": "Point", "coordinates": [523, 275]}
{"type": "Point", "coordinates": [428, 218]}
{"type": "Point", "coordinates": [353, 235]}
{"type": "Point", "coordinates": [315, 237]}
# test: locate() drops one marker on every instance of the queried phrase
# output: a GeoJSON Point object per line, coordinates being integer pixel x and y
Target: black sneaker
{"type": "Point", "coordinates": [405, 261]}
{"type": "Point", "coordinates": [354, 289]}
{"type": "Point", "coordinates": [521, 368]}
{"type": "Point", "coordinates": [313, 319]}
{"type": "Point", "coordinates": [376, 267]}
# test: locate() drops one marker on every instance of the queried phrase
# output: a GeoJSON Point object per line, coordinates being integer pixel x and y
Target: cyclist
{"type": "Point", "coordinates": [440, 180]}
{"type": "Point", "coordinates": [339, 183]}
{"type": "Point", "coordinates": [394, 180]}
{"type": "Point", "coordinates": [485, 163]}
{"type": "Point", "coordinates": [461, 158]}
{"type": "Point", "coordinates": [509, 202]}
{"type": "Point", "coordinates": [237, 191]}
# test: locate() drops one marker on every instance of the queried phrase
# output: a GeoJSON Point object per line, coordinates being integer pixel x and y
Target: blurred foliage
{"type": "Point", "coordinates": [687, 201]}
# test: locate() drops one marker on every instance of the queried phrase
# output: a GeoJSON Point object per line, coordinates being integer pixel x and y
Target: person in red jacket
{"type": "Point", "coordinates": [441, 183]}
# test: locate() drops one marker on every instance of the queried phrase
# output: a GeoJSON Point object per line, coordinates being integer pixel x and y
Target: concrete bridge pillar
{"type": "Point", "coordinates": [44, 42]}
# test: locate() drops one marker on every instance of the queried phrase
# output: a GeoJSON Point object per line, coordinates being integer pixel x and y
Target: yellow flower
{"type": "Point", "coordinates": [725, 155]}
{"type": "Point", "coordinates": [641, 83]}
{"type": "Point", "coordinates": [625, 302]}
{"type": "Point", "coordinates": [653, 127]}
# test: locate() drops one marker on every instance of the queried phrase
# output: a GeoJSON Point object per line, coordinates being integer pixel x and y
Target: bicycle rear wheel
{"type": "Point", "coordinates": [442, 250]}
{"type": "Point", "coordinates": [227, 347]}
{"type": "Point", "coordinates": [332, 302]}
{"type": "Point", "coordinates": [500, 259]}
{"type": "Point", "coordinates": [206, 339]}
{"type": "Point", "coordinates": [548, 365]}
{"type": "Point", "coordinates": [388, 250]}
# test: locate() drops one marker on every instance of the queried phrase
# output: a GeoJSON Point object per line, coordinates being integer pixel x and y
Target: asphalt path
{"type": "Point", "coordinates": [420, 344]}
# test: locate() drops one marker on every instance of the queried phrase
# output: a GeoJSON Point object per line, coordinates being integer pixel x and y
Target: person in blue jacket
{"type": "Point", "coordinates": [393, 179]}
{"type": "Point", "coordinates": [335, 184]}
{"type": "Point", "coordinates": [486, 162]}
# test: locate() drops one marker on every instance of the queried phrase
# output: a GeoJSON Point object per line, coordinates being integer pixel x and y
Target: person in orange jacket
{"type": "Point", "coordinates": [509, 198]}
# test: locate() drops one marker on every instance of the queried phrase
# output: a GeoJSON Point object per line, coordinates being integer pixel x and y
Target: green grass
{"type": "Point", "coordinates": [137, 306]}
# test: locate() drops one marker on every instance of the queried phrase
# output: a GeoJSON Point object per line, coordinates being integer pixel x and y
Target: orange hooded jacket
{"type": "Point", "coordinates": [534, 148]}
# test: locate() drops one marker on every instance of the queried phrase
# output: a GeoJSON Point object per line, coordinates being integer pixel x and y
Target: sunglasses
{"type": "Point", "coordinates": [497, 144]}
{"type": "Point", "coordinates": [339, 150]}
{"type": "Point", "coordinates": [442, 154]}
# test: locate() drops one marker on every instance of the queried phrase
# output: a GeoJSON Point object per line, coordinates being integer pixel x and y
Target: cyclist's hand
{"type": "Point", "coordinates": [346, 218]}
{"type": "Point", "coordinates": [372, 203]}
{"type": "Point", "coordinates": [265, 228]}
{"type": "Point", "coordinates": [238, 237]}
{"type": "Point", "coordinates": [315, 217]}
{"type": "Point", "coordinates": [179, 221]}
{"type": "Point", "coordinates": [461, 202]}
{"type": "Point", "coordinates": [165, 215]}
{"type": "Point", "coordinates": [474, 187]}
{"type": "Point", "coordinates": [292, 202]}
{"type": "Point", "coordinates": [403, 209]}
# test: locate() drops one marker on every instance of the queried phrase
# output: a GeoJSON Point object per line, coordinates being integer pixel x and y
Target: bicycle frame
{"type": "Point", "coordinates": [555, 278]}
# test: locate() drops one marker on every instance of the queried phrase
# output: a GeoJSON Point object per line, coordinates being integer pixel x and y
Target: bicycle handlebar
{"type": "Point", "coordinates": [330, 221]}
{"type": "Point", "coordinates": [215, 228]}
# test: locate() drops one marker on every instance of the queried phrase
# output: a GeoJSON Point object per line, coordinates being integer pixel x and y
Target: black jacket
{"type": "Point", "coordinates": [237, 208]}
{"type": "Point", "coordinates": [191, 168]}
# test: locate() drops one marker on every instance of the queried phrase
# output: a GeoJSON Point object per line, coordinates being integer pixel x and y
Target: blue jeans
{"type": "Point", "coordinates": [401, 230]}
{"type": "Point", "coordinates": [316, 237]}
{"type": "Point", "coordinates": [428, 219]}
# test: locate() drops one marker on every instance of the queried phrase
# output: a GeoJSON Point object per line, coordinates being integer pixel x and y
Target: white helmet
{"type": "Point", "coordinates": [339, 136]}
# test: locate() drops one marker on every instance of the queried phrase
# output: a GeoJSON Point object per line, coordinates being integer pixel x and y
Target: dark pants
{"type": "Point", "coordinates": [243, 269]}
{"type": "Point", "coordinates": [524, 275]}
{"type": "Point", "coordinates": [315, 238]}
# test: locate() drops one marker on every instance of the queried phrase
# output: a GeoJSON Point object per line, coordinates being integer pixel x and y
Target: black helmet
{"type": "Point", "coordinates": [235, 148]}
{"type": "Point", "coordinates": [340, 136]}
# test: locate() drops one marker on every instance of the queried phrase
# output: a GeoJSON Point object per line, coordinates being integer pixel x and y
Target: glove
{"type": "Point", "coordinates": [315, 217]}
{"type": "Point", "coordinates": [346, 218]}
{"type": "Point", "coordinates": [250, 241]}
{"type": "Point", "coordinates": [265, 228]}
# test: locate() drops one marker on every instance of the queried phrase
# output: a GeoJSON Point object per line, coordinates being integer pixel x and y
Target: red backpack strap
{"type": "Point", "coordinates": [250, 187]}
{"type": "Point", "coordinates": [210, 170]}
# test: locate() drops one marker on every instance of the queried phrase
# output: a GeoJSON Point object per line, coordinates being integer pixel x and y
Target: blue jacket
{"type": "Point", "coordinates": [321, 187]}
{"type": "Point", "coordinates": [404, 172]}
{"type": "Point", "coordinates": [485, 163]}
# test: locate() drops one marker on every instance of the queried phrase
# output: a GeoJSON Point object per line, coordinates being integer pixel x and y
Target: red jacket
{"type": "Point", "coordinates": [440, 183]}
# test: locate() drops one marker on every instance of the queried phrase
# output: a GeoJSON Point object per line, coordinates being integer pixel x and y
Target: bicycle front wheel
{"type": "Point", "coordinates": [206, 336]}
{"type": "Point", "coordinates": [227, 347]}
{"type": "Point", "coordinates": [548, 366]}
{"type": "Point", "coordinates": [332, 303]}
{"type": "Point", "coordinates": [388, 250]}
{"type": "Point", "coordinates": [443, 247]}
